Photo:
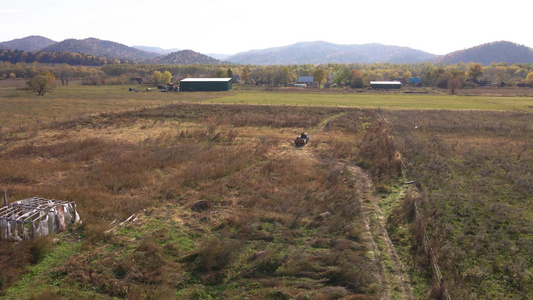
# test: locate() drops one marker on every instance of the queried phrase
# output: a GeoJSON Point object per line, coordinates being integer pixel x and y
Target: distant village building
{"type": "Point", "coordinates": [205, 84]}
{"type": "Point", "coordinates": [385, 84]}
{"type": "Point", "coordinates": [307, 80]}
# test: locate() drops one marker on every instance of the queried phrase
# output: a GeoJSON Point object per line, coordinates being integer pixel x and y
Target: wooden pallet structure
{"type": "Point", "coordinates": [33, 217]}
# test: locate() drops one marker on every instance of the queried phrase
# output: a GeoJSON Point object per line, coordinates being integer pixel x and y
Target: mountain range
{"type": "Point", "coordinates": [323, 52]}
{"type": "Point", "coordinates": [98, 47]}
{"type": "Point", "coordinates": [318, 52]}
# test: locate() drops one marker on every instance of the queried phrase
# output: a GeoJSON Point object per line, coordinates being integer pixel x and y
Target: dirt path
{"type": "Point", "coordinates": [393, 278]}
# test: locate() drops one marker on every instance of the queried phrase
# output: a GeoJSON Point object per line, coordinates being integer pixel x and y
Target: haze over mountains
{"type": "Point", "coordinates": [318, 52]}
{"type": "Point", "coordinates": [157, 50]}
{"type": "Point", "coordinates": [322, 52]}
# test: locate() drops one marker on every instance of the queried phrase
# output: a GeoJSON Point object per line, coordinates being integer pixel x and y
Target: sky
{"type": "Point", "coordinates": [229, 27]}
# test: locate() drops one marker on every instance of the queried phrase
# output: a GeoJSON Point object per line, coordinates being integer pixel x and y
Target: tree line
{"type": "Point", "coordinates": [349, 75]}
{"type": "Point", "coordinates": [352, 75]}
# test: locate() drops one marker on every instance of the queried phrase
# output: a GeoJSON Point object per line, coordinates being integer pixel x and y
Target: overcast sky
{"type": "Point", "coordinates": [229, 27]}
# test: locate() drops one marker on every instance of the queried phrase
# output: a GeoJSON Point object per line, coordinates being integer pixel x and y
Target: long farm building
{"type": "Point", "coordinates": [385, 84]}
{"type": "Point", "coordinates": [205, 84]}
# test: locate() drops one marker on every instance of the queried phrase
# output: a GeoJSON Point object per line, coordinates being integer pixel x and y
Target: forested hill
{"type": "Point", "coordinates": [486, 54]}
{"type": "Point", "coordinates": [322, 52]}
{"type": "Point", "coordinates": [98, 47]}
{"type": "Point", "coordinates": [29, 43]}
{"type": "Point", "coordinates": [185, 57]}
{"type": "Point", "coordinates": [58, 57]}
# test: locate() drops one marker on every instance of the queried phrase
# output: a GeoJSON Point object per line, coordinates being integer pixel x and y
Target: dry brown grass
{"type": "Point", "coordinates": [261, 235]}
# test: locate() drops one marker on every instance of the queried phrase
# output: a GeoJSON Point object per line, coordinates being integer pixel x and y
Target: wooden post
{"type": "Point", "coordinates": [33, 229]}
{"type": "Point", "coordinates": [5, 198]}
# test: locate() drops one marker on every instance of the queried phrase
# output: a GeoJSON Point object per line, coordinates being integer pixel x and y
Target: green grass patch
{"type": "Point", "coordinates": [389, 101]}
{"type": "Point", "coordinates": [41, 276]}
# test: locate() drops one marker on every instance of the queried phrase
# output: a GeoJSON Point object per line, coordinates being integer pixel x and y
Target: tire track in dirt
{"type": "Point", "coordinates": [393, 277]}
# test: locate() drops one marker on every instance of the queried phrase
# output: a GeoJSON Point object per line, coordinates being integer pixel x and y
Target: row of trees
{"type": "Point", "coordinates": [359, 75]}
{"type": "Point", "coordinates": [61, 71]}
{"type": "Point", "coordinates": [353, 75]}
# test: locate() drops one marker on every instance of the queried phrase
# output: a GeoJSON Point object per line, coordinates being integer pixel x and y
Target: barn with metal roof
{"type": "Point", "coordinates": [385, 84]}
{"type": "Point", "coordinates": [205, 84]}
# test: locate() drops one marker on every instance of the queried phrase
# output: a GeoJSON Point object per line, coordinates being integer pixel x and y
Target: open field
{"type": "Point", "coordinates": [262, 234]}
{"type": "Point", "coordinates": [64, 102]}
{"type": "Point", "coordinates": [18, 106]}
{"type": "Point", "coordinates": [389, 100]}
{"type": "Point", "coordinates": [474, 172]}
{"type": "Point", "coordinates": [331, 220]}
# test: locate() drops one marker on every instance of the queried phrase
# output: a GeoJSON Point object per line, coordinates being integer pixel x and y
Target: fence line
{"type": "Point", "coordinates": [426, 242]}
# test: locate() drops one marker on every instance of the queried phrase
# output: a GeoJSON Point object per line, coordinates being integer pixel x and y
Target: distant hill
{"type": "Point", "coordinates": [98, 47]}
{"type": "Point", "coordinates": [30, 43]}
{"type": "Point", "coordinates": [322, 52]}
{"type": "Point", "coordinates": [185, 57]}
{"type": "Point", "coordinates": [157, 50]}
{"type": "Point", "coordinates": [486, 54]}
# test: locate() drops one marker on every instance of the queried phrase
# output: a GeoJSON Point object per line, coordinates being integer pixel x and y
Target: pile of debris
{"type": "Point", "coordinates": [30, 218]}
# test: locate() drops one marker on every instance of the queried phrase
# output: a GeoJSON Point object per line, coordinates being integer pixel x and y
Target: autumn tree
{"type": "Point", "coordinates": [245, 74]}
{"type": "Point", "coordinates": [320, 76]}
{"type": "Point", "coordinates": [475, 72]}
{"type": "Point", "coordinates": [454, 84]}
{"type": "Point", "coordinates": [41, 83]}
{"type": "Point", "coordinates": [342, 77]}
{"type": "Point", "coordinates": [166, 77]}
{"type": "Point", "coordinates": [157, 77]}
{"type": "Point", "coordinates": [406, 76]}
{"type": "Point", "coordinates": [221, 74]}
{"type": "Point", "coordinates": [356, 80]}
{"type": "Point", "coordinates": [65, 74]}
{"type": "Point", "coordinates": [285, 75]}
{"type": "Point", "coordinates": [442, 78]}
{"type": "Point", "coordinates": [529, 79]}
